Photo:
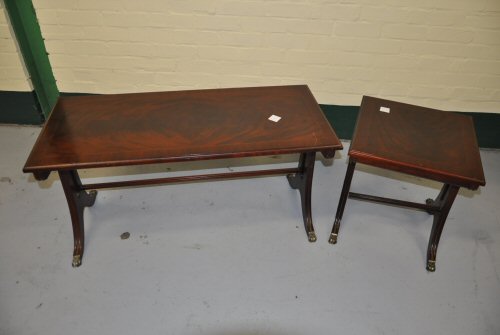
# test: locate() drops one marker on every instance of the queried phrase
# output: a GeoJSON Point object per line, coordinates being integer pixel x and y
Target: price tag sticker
{"type": "Point", "coordinates": [274, 118]}
{"type": "Point", "coordinates": [385, 109]}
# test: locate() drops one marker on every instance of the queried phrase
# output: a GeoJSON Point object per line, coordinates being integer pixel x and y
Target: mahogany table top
{"type": "Point", "coordinates": [416, 140]}
{"type": "Point", "coordinates": [142, 128]}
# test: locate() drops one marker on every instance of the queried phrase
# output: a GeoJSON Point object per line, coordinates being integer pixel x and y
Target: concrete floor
{"type": "Point", "coordinates": [232, 257]}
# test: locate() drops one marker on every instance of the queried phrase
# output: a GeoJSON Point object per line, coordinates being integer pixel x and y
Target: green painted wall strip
{"type": "Point", "coordinates": [20, 108]}
{"type": "Point", "coordinates": [487, 129]}
{"type": "Point", "coordinates": [29, 37]}
{"type": "Point", "coordinates": [343, 120]}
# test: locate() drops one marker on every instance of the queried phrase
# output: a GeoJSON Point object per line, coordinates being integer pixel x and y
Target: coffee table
{"type": "Point", "coordinates": [418, 141]}
{"type": "Point", "coordinates": [163, 127]}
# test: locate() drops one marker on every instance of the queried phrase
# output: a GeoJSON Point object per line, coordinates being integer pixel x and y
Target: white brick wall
{"type": "Point", "coordinates": [438, 53]}
{"type": "Point", "coordinates": [13, 76]}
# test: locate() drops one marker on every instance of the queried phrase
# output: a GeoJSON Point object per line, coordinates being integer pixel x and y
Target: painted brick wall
{"type": "Point", "coordinates": [438, 53]}
{"type": "Point", "coordinates": [13, 76]}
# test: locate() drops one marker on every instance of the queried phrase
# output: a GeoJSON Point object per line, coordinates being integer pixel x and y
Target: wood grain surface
{"type": "Point", "coordinates": [421, 141]}
{"type": "Point", "coordinates": [144, 128]}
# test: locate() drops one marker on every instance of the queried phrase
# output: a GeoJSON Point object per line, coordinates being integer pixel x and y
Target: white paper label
{"type": "Point", "coordinates": [385, 109]}
{"type": "Point", "coordinates": [274, 118]}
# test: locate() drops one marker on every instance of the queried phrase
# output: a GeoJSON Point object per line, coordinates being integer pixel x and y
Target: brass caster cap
{"type": "Point", "coordinates": [77, 261]}
{"type": "Point", "coordinates": [311, 236]}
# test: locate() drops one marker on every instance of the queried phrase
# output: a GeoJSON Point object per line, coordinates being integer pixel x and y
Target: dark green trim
{"type": "Point", "coordinates": [23, 107]}
{"type": "Point", "coordinates": [29, 37]}
{"type": "Point", "coordinates": [20, 108]}
{"type": "Point", "coordinates": [487, 129]}
{"type": "Point", "coordinates": [72, 94]}
{"type": "Point", "coordinates": [343, 120]}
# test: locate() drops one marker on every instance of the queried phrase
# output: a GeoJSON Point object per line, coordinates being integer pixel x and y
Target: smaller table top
{"type": "Point", "coordinates": [143, 128]}
{"type": "Point", "coordinates": [420, 141]}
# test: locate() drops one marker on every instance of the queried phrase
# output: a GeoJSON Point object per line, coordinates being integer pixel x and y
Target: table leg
{"type": "Point", "coordinates": [343, 198]}
{"type": "Point", "coordinates": [303, 182]}
{"type": "Point", "coordinates": [77, 199]}
{"type": "Point", "coordinates": [444, 200]}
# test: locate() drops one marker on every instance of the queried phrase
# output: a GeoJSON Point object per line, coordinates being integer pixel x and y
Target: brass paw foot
{"type": "Point", "coordinates": [311, 236]}
{"type": "Point", "coordinates": [332, 239]}
{"type": "Point", "coordinates": [77, 261]}
{"type": "Point", "coordinates": [431, 266]}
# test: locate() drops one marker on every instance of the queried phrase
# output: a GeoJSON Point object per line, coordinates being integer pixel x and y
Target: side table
{"type": "Point", "coordinates": [180, 126]}
{"type": "Point", "coordinates": [418, 141]}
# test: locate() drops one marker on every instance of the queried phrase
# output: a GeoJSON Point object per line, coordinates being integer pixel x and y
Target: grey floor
{"type": "Point", "coordinates": [232, 257]}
